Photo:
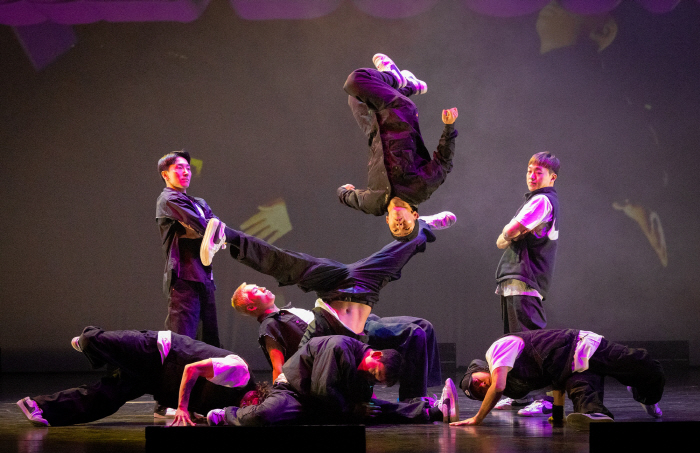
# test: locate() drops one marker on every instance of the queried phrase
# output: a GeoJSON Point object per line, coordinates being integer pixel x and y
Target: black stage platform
{"type": "Point", "coordinates": [503, 431]}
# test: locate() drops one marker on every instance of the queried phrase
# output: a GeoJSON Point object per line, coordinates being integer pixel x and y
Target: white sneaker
{"type": "Point", "coordinates": [537, 408]}
{"type": "Point", "coordinates": [75, 342]}
{"type": "Point", "coordinates": [32, 411]}
{"type": "Point", "coordinates": [161, 411]}
{"type": "Point", "coordinates": [419, 86]}
{"type": "Point", "coordinates": [582, 421]}
{"type": "Point", "coordinates": [506, 404]}
{"type": "Point", "coordinates": [385, 64]}
{"type": "Point", "coordinates": [449, 402]}
{"type": "Point", "coordinates": [216, 417]}
{"type": "Point", "coordinates": [440, 221]}
{"type": "Point", "coordinates": [212, 241]}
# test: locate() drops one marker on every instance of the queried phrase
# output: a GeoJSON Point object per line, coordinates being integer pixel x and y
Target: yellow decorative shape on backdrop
{"type": "Point", "coordinates": [604, 33]}
{"type": "Point", "coordinates": [559, 28]}
{"type": "Point", "coordinates": [650, 223]}
{"type": "Point", "coordinates": [197, 165]}
{"type": "Point", "coordinates": [270, 223]}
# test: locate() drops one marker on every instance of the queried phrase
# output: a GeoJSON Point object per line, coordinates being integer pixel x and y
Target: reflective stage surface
{"type": "Point", "coordinates": [502, 431]}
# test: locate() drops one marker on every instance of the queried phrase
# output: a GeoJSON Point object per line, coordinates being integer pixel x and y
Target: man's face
{"type": "Point", "coordinates": [539, 177]}
{"type": "Point", "coordinates": [250, 399]}
{"type": "Point", "coordinates": [259, 299]}
{"type": "Point", "coordinates": [178, 175]}
{"type": "Point", "coordinates": [375, 368]}
{"type": "Point", "coordinates": [481, 381]}
{"type": "Point", "coordinates": [401, 220]}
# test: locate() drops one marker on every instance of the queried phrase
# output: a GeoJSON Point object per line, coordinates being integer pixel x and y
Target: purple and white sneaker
{"type": "Point", "coordinates": [212, 241]}
{"type": "Point", "coordinates": [385, 64]}
{"type": "Point", "coordinates": [419, 86]}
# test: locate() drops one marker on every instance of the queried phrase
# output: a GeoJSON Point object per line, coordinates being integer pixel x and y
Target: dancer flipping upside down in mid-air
{"type": "Point", "coordinates": [401, 172]}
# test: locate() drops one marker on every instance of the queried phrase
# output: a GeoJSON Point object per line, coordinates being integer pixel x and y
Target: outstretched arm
{"type": "Point", "coordinates": [498, 385]}
{"type": "Point", "coordinates": [193, 371]}
{"type": "Point", "coordinates": [368, 201]}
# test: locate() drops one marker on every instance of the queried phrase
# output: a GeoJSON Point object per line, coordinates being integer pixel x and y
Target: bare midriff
{"type": "Point", "coordinates": [353, 314]}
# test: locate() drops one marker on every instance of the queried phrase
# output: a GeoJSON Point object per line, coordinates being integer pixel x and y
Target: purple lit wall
{"type": "Point", "coordinates": [254, 90]}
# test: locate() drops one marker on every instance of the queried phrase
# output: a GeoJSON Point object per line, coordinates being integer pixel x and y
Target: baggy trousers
{"type": "Point", "coordinates": [284, 406]}
{"type": "Point", "coordinates": [631, 367]}
{"type": "Point", "coordinates": [359, 282]}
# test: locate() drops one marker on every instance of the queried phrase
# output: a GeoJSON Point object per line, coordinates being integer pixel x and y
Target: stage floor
{"type": "Point", "coordinates": [502, 431]}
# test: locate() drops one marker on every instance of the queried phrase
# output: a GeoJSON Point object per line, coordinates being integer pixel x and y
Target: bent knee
{"type": "Point", "coordinates": [352, 82]}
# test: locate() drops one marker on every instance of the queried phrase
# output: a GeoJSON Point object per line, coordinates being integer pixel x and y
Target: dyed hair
{"type": "Point", "coordinates": [393, 365]}
{"type": "Point", "coordinates": [546, 160]}
{"type": "Point", "coordinates": [239, 300]}
{"type": "Point", "coordinates": [166, 161]}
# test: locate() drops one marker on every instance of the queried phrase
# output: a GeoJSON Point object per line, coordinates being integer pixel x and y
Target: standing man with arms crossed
{"type": "Point", "coordinates": [526, 267]}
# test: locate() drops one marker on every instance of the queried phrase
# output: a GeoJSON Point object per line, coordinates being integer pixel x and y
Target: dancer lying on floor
{"type": "Point", "coordinates": [177, 370]}
{"type": "Point", "coordinates": [330, 380]}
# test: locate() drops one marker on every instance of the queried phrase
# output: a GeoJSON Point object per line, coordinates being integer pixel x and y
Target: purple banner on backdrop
{"type": "Point", "coordinates": [589, 6]}
{"type": "Point", "coordinates": [394, 9]}
{"type": "Point", "coordinates": [43, 43]}
{"type": "Point", "coordinates": [283, 9]}
{"type": "Point", "coordinates": [70, 11]}
{"type": "Point", "coordinates": [19, 12]}
{"type": "Point", "coordinates": [659, 6]}
{"type": "Point", "coordinates": [505, 8]}
{"type": "Point", "coordinates": [28, 12]}
{"type": "Point", "coordinates": [149, 10]}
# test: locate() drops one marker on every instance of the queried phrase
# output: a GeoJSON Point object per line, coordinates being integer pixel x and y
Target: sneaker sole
{"type": "Point", "coordinates": [75, 342]}
{"type": "Point", "coordinates": [511, 407]}
{"type": "Point", "coordinates": [204, 254]}
{"type": "Point", "coordinates": [28, 414]}
{"type": "Point", "coordinates": [582, 422]}
{"type": "Point", "coordinates": [650, 410]}
{"type": "Point", "coordinates": [536, 414]}
{"type": "Point", "coordinates": [454, 400]}
{"type": "Point", "coordinates": [447, 418]}
{"type": "Point", "coordinates": [378, 59]}
{"type": "Point", "coordinates": [420, 86]}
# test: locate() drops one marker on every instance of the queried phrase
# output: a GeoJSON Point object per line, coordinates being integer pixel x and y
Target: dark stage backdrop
{"type": "Point", "coordinates": [260, 104]}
